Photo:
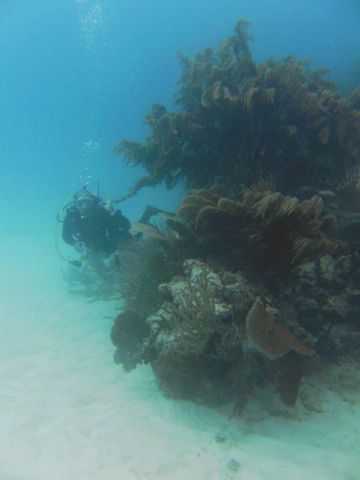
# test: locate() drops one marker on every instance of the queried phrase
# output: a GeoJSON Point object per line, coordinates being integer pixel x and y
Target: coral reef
{"type": "Point", "coordinates": [142, 266]}
{"type": "Point", "coordinates": [271, 231]}
{"type": "Point", "coordinates": [246, 289]}
{"type": "Point", "coordinates": [239, 120]}
{"type": "Point", "coordinates": [270, 288]}
{"type": "Point", "coordinates": [196, 333]}
{"type": "Point", "coordinates": [212, 340]}
{"type": "Point", "coordinates": [323, 299]}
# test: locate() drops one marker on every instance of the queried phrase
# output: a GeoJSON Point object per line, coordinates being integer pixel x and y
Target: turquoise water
{"type": "Point", "coordinates": [76, 77]}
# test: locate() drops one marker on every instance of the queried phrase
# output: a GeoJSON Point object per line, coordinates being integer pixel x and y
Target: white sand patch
{"type": "Point", "coordinates": [67, 412]}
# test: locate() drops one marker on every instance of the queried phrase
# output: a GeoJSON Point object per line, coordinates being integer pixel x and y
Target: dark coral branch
{"type": "Point", "coordinates": [239, 120]}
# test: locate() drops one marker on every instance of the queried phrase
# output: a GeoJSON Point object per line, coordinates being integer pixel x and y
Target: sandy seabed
{"type": "Point", "coordinates": [67, 412]}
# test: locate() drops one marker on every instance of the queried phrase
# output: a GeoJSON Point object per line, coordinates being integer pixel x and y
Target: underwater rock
{"type": "Point", "coordinates": [307, 273]}
{"type": "Point", "coordinates": [325, 304]}
{"type": "Point", "coordinates": [197, 335]}
{"type": "Point", "coordinates": [212, 339]}
{"type": "Point", "coordinates": [327, 268]}
{"type": "Point", "coordinates": [201, 336]}
{"type": "Point", "coordinates": [350, 228]}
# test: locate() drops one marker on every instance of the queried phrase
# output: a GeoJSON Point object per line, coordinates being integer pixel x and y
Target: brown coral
{"type": "Point", "coordinates": [279, 345]}
{"type": "Point", "coordinates": [269, 336]}
{"type": "Point", "coordinates": [128, 334]}
{"type": "Point", "coordinates": [273, 231]}
{"type": "Point", "coordinates": [238, 120]}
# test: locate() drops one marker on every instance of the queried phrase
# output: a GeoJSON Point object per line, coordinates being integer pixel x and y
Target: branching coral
{"type": "Point", "coordinates": [200, 337]}
{"type": "Point", "coordinates": [140, 271]}
{"type": "Point", "coordinates": [142, 266]}
{"type": "Point", "coordinates": [273, 231]}
{"type": "Point", "coordinates": [239, 120]}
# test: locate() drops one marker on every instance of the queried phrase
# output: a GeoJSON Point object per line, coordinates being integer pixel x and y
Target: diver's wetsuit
{"type": "Point", "coordinates": [100, 231]}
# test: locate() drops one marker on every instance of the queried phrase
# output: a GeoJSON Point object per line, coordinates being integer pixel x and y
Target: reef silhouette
{"type": "Point", "coordinates": [255, 280]}
{"type": "Point", "coordinates": [239, 120]}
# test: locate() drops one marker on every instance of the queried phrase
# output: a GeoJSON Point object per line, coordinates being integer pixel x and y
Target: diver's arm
{"type": "Point", "coordinates": [150, 212]}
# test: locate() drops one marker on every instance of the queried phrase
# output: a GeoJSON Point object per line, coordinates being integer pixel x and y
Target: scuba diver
{"type": "Point", "coordinates": [91, 226]}
{"type": "Point", "coordinates": [100, 235]}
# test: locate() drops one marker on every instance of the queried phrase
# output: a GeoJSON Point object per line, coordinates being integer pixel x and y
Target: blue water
{"type": "Point", "coordinates": [80, 71]}
{"type": "Point", "coordinates": [76, 77]}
